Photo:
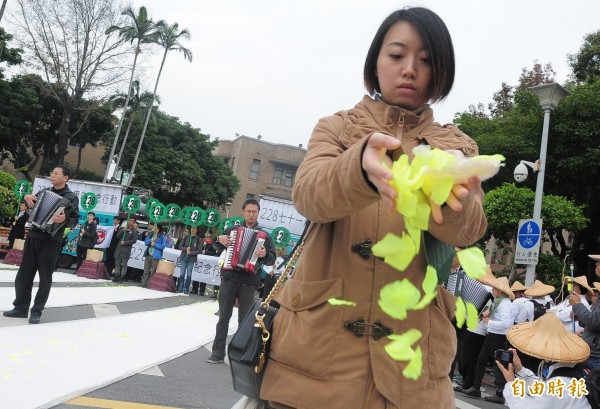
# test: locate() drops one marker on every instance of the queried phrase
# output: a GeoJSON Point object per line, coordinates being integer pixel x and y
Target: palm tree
{"type": "Point", "coordinates": [142, 30]}
{"type": "Point", "coordinates": [137, 107]}
{"type": "Point", "coordinates": [168, 38]}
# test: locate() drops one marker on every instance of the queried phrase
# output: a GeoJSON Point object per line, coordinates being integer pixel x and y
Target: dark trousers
{"type": "Point", "coordinates": [198, 287]}
{"type": "Point", "coordinates": [81, 254]}
{"type": "Point", "coordinates": [110, 260]}
{"type": "Point", "coordinates": [490, 345]}
{"type": "Point", "coordinates": [268, 285]}
{"type": "Point", "coordinates": [230, 290]}
{"type": "Point", "coordinates": [472, 344]}
{"type": "Point", "coordinates": [38, 255]}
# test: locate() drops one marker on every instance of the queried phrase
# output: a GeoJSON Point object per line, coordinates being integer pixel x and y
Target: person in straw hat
{"type": "Point", "coordinates": [564, 310]}
{"type": "Point", "coordinates": [596, 258]}
{"type": "Point", "coordinates": [548, 340]}
{"type": "Point", "coordinates": [498, 320]}
{"type": "Point", "coordinates": [539, 303]}
{"type": "Point", "coordinates": [519, 303]}
{"type": "Point", "coordinates": [590, 320]}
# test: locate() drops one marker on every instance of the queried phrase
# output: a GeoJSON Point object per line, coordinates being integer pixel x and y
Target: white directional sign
{"type": "Point", "coordinates": [529, 238]}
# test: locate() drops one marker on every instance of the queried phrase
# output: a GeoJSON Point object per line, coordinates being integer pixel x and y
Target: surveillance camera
{"type": "Point", "coordinates": [520, 172]}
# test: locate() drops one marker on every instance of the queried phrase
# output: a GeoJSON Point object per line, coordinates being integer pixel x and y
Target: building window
{"type": "Point", "coordinates": [254, 169]}
{"type": "Point", "coordinates": [284, 175]}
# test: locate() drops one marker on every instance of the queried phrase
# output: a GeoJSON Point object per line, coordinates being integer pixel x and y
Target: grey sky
{"type": "Point", "coordinates": [274, 67]}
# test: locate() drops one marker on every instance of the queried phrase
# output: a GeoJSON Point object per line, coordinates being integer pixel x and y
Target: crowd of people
{"type": "Point", "coordinates": [575, 309]}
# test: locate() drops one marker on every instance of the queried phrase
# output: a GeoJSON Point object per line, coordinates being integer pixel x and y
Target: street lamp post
{"type": "Point", "coordinates": [549, 95]}
{"type": "Point", "coordinates": [227, 205]}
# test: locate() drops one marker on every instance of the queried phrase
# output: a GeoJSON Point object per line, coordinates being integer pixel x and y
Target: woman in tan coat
{"type": "Point", "coordinates": [326, 356]}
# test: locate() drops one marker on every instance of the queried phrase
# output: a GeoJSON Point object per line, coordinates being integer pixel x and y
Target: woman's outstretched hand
{"type": "Point", "coordinates": [373, 158]}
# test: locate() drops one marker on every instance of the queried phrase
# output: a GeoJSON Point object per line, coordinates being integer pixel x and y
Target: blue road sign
{"type": "Point", "coordinates": [529, 234]}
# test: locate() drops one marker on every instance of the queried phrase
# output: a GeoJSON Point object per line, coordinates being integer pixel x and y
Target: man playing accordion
{"type": "Point", "coordinates": [42, 249]}
{"type": "Point", "coordinates": [237, 282]}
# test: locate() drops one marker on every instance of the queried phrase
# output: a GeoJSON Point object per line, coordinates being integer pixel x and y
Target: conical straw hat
{"type": "Point", "coordinates": [488, 277]}
{"type": "Point", "coordinates": [502, 285]}
{"type": "Point", "coordinates": [517, 286]}
{"type": "Point", "coordinates": [539, 289]}
{"type": "Point", "coordinates": [595, 257]}
{"type": "Point", "coordinates": [597, 286]}
{"type": "Point", "coordinates": [546, 338]}
{"type": "Point", "coordinates": [581, 280]}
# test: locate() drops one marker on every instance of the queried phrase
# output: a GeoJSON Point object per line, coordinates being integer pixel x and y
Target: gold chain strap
{"type": "Point", "coordinates": [266, 303]}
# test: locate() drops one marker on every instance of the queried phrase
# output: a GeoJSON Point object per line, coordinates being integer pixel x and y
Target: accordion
{"type": "Point", "coordinates": [48, 205]}
{"type": "Point", "coordinates": [245, 242]}
{"type": "Point", "coordinates": [460, 285]}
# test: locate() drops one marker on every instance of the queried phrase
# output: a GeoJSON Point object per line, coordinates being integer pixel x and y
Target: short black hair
{"type": "Point", "coordinates": [116, 218]}
{"type": "Point", "coordinates": [92, 213]}
{"type": "Point", "coordinates": [97, 220]}
{"type": "Point", "coordinates": [151, 224]}
{"type": "Point", "coordinates": [436, 41]}
{"type": "Point", "coordinates": [250, 201]}
{"type": "Point", "coordinates": [66, 170]}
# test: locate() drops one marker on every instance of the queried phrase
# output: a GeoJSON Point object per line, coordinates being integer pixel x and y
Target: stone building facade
{"type": "Point", "coordinates": [263, 168]}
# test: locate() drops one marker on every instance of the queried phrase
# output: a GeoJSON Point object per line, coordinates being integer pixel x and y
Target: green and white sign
{"type": "Point", "coordinates": [88, 201]}
{"type": "Point", "coordinates": [212, 217]}
{"type": "Point", "coordinates": [280, 236]}
{"type": "Point", "coordinates": [173, 212]}
{"type": "Point", "coordinates": [224, 224]}
{"type": "Point", "coordinates": [157, 212]}
{"type": "Point", "coordinates": [193, 216]}
{"type": "Point", "coordinates": [131, 204]}
{"type": "Point", "coordinates": [237, 221]}
{"type": "Point", "coordinates": [22, 188]}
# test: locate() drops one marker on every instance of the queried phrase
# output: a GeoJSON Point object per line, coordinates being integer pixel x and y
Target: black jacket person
{"type": "Point", "coordinates": [42, 250]}
{"type": "Point", "coordinates": [238, 284]}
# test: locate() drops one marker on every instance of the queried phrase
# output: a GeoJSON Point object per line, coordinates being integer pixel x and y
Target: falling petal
{"type": "Point", "coordinates": [398, 252]}
{"type": "Point", "coordinates": [460, 312]}
{"type": "Point", "coordinates": [472, 316]}
{"type": "Point", "coordinates": [425, 301]}
{"type": "Point", "coordinates": [473, 262]}
{"type": "Point", "coordinates": [415, 366]}
{"type": "Point", "coordinates": [398, 297]}
{"type": "Point", "coordinates": [430, 281]}
{"type": "Point", "coordinates": [335, 301]}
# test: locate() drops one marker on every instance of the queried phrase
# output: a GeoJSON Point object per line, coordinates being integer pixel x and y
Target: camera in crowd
{"type": "Point", "coordinates": [505, 357]}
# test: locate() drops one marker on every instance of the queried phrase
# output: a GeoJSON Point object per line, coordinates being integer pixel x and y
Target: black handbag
{"type": "Point", "coordinates": [249, 348]}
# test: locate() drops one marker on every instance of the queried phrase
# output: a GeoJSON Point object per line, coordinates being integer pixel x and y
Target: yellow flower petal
{"type": "Point", "coordinates": [472, 316]}
{"type": "Point", "coordinates": [398, 297]}
{"type": "Point", "coordinates": [415, 366]}
{"type": "Point", "coordinates": [460, 312]}
{"type": "Point", "coordinates": [335, 301]}
{"type": "Point", "coordinates": [430, 281]}
{"type": "Point", "coordinates": [473, 262]}
{"type": "Point", "coordinates": [398, 252]}
{"type": "Point", "coordinates": [425, 301]}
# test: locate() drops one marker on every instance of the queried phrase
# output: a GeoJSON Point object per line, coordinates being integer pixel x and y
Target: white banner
{"type": "Point", "coordinates": [109, 195]}
{"type": "Point", "coordinates": [276, 212]}
{"type": "Point", "coordinates": [206, 269]}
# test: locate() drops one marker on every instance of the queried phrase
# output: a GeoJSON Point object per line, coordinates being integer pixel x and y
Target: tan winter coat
{"type": "Point", "coordinates": [315, 362]}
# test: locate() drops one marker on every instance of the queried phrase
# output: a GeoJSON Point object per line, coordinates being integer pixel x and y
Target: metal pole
{"type": "Point", "coordinates": [539, 189]}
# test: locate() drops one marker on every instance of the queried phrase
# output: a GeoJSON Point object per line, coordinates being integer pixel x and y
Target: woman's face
{"type": "Point", "coordinates": [403, 68]}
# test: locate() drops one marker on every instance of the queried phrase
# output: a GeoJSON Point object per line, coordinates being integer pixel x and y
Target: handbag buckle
{"type": "Point", "coordinates": [359, 328]}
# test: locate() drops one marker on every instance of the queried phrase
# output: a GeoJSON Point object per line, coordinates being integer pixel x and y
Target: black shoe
{"type": "Point", "coordinates": [495, 399]}
{"type": "Point", "coordinates": [214, 360]}
{"type": "Point", "coordinates": [476, 393]}
{"type": "Point", "coordinates": [14, 313]}
{"type": "Point", "coordinates": [35, 319]}
{"type": "Point", "coordinates": [459, 389]}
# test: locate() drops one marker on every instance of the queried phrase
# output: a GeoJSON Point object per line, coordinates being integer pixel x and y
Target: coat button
{"type": "Point", "coordinates": [297, 300]}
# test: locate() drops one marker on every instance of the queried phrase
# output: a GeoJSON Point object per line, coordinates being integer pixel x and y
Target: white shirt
{"type": "Point", "coordinates": [520, 309]}
{"type": "Point", "coordinates": [545, 401]}
{"type": "Point", "coordinates": [563, 312]}
{"type": "Point", "coordinates": [529, 306]}
{"type": "Point", "coordinates": [502, 318]}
